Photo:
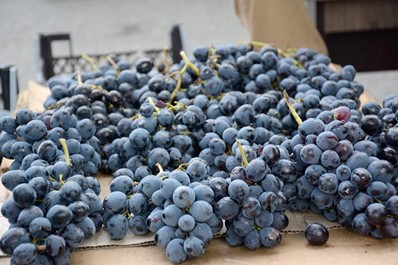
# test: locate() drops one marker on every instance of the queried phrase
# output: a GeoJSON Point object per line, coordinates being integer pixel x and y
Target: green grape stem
{"type": "Point", "coordinates": [150, 100]}
{"type": "Point", "coordinates": [189, 63]}
{"type": "Point", "coordinates": [182, 166]}
{"type": "Point", "coordinates": [114, 65]}
{"type": "Point", "coordinates": [92, 86]}
{"type": "Point", "coordinates": [41, 247]}
{"type": "Point", "coordinates": [90, 60]}
{"type": "Point", "coordinates": [280, 51]}
{"type": "Point", "coordinates": [179, 81]}
{"type": "Point", "coordinates": [79, 77]}
{"type": "Point", "coordinates": [242, 153]}
{"type": "Point", "coordinates": [292, 110]}
{"type": "Point", "coordinates": [66, 151]}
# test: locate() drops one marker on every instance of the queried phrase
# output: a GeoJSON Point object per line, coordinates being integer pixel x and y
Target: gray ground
{"type": "Point", "coordinates": [101, 26]}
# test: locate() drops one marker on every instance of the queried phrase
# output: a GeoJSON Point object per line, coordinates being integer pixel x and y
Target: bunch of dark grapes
{"type": "Point", "coordinates": [33, 139]}
{"type": "Point", "coordinates": [54, 204]}
{"type": "Point", "coordinates": [189, 222]}
{"type": "Point", "coordinates": [119, 101]}
{"type": "Point", "coordinates": [177, 211]}
{"type": "Point", "coordinates": [343, 178]}
{"type": "Point", "coordinates": [230, 138]}
{"type": "Point", "coordinates": [253, 216]}
{"type": "Point", "coordinates": [129, 204]}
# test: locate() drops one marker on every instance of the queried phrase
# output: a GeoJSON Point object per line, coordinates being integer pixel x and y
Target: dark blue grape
{"type": "Point", "coordinates": [24, 116]}
{"type": "Point", "coordinates": [257, 169]}
{"type": "Point", "coordinates": [117, 227]}
{"type": "Point", "coordinates": [35, 130]}
{"type": "Point", "coordinates": [361, 225]}
{"type": "Point", "coordinates": [8, 124]}
{"type": "Point", "coordinates": [175, 251]}
{"type": "Point", "coordinates": [24, 253]}
{"type": "Point", "coordinates": [137, 225]}
{"type": "Point", "coordinates": [310, 154]}
{"type": "Point", "coordinates": [270, 237]}
{"type": "Point", "coordinates": [226, 208]}
{"type": "Point", "coordinates": [316, 234]}
{"type": "Point", "coordinates": [376, 213]}
{"type": "Point", "coordinates": [244, 115]}
{"type": "Point", "coordinates": [24, 195]}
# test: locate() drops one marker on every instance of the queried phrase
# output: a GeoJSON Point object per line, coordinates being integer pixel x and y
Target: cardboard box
{"type": "Point", "coordinates": [286, 24]}
{"type": "Point", "coordinates": [344, 245]}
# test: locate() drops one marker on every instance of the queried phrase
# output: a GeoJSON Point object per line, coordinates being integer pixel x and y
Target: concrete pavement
{"type": "Point", "coordinates": [101, 26]}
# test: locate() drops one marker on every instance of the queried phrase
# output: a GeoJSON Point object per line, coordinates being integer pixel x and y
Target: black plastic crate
{"type": "Point", "coordinates": [9, 88]}
{"type": "Point", "coordinates": [49, 65]}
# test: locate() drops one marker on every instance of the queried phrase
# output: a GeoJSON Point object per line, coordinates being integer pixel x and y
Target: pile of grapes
{"type": "Point", "coordinates": [225, 141]}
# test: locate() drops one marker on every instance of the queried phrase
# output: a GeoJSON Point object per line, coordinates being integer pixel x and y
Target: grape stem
{"type": "Point", "coordinates": [114, 65]}
{"type": "Point", "coordinates": [292, 110]}
{"type": "Point", "coordinates": [179, 81]}
{"type": "Point", "coordinates": [159, 166]}
{"type": "Point", "coordinates": [176, 107]}
{"type": "Point", "coordinates": [189, 63]}
{"type": "Point", "coordinates": [79, 77]}
{"type": "Point", "coordinates": [135, 117]}
{"type": "Point", "coordinates": [184, 132]}
{"type": "Point", "coordinates": [152, 103]}
{"type": "Point", "coordinates": [242, 153]}
{"type": "Point", "coordinates": [56, 105]}
{"type": "Point", "coordinates": [62, 141]}
{"type": "Point", "coordinates": [90, 60]}
{"type": "Point", "coordinates": [165, 58]}
{"type": "Point", "coordinates": [280, 51]}
{"type": "Point", "coordinates": [213, 58]}
{"type": "Point", "coordinates": [92, 86]}
{"type": "Point", "coordinates": [181, 167]}
{"type": "Point", "coordinates": [41, 247]}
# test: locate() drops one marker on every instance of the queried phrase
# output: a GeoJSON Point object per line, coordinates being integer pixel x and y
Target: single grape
{"type": "Point", "coordinates": [226, 208]}
{"type": "Point", "coordinates": [24, 253]}
{"type": "Point", "coordinates": [175, 251]}
{"type": "Point", "coordinates": [376, 213]}
{"type": "Point", "coordinates": [194, 247]}
{"type": "Point", "coordinates": [201, 211]}
{"type": "Point", "coordinates": [60, 216]}
{"type": "Point", "coordinates": [270, 237]}
{"type": "Point", "coordinates": [252, 240]}
{"type": "Point", "coordinates": [164, 235]}
{"type": "Point", "coordinates": [117, 227]}
{"type": "Point", "coordinates": [316, 234]}
{"type": "Point", "coordinates": [186, 223]}
{"type": "Point", "coordinates": [183, 196]}
{"type": "Point", "coordinates": [12, 238]}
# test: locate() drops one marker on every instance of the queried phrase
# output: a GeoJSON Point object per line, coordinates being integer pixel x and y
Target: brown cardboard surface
{"type": "Point", "coordinates": [343, 247]}
{"type": "Point", "coordinates": [284, 23]}
{"type": "Point", "coordinates": [297, 224]}
{"type": "Point", "coordinates": [33, 97]}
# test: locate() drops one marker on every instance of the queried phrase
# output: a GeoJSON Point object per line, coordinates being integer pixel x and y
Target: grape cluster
{"type": "Point", "coordinates": [54, 204]}
{"type": "Point", "coordinates": [177, 210]}
{"type": "Point", "coordinates": [343, 175]}
{"type": "Point", "coordinates": [185, 232]}
{"type": "Point", "coordinates": [128, 205]}
{"type": "Point", "coordinates": [254, 216]}
{"type": "Point", "coordinates": [230, 138]}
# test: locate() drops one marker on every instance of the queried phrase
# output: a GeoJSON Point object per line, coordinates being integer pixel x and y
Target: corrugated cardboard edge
{"type": "Point", "coordinates": [34, 96]}
{"type": "Point", "coordinates": [297, 224]}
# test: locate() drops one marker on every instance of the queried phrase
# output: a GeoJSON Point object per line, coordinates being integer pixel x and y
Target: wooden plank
{"type": "Point", "coordinates": [354, 15]}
